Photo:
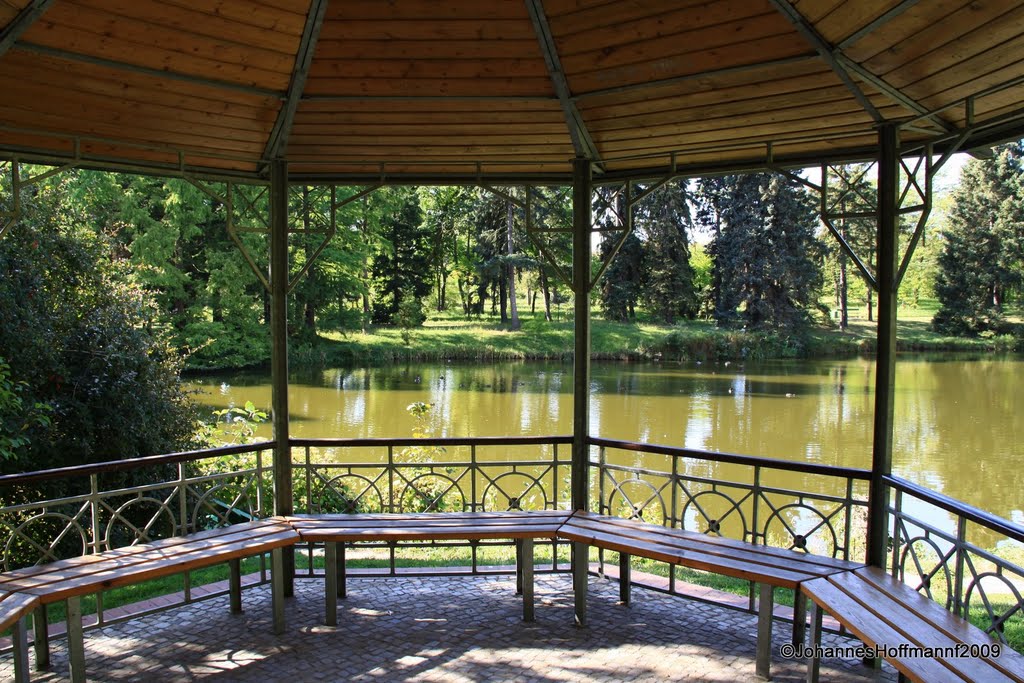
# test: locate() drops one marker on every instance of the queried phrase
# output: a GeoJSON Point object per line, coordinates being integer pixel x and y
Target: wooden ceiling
{"type": "Point", "coordinates": [422, 90]}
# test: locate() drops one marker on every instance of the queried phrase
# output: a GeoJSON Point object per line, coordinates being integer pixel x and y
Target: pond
{"type": "Point", "coordinates": [959, 422]}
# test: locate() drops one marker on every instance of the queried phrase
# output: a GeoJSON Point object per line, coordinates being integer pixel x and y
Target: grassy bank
{"type": "Point", "coordinates": [486, 339]}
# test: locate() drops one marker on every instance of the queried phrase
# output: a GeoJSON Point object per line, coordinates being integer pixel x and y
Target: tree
{"type": "Point", "coordinates": [663, 218]}
{"type": "Point", "coordinates": [766, 255]}
{"type": "Point", "coordinates": [81, 345]}
{"type": "Point", "coordinates": [401, 266]}
{"type": "Point", "coordinates": [981, 260]}
{"type": "Point", "coordinates": [620, 287]}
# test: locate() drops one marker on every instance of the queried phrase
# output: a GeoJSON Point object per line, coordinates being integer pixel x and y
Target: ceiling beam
{"type": "Point", "coordinates": [893, 93]}
{"type": "Point", "coordinates": [21, 23]}
{"type": "Point", "coordinates": [581, 140]}
{"type": "Point", "coordinates": [827, 52]}
{"type": "Point", "coordinates": [278, 140]}
{"type": "Point", "coordinates": [146, 71]}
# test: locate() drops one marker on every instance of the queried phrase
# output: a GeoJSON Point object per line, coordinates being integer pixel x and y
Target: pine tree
{"type": "Point", "coordinates": [401, 268]}
{"type": "Point", "coordinates": [663, 219]}
{"type": "Point", "coordinates": [765, 251]}
{"type": "Point", "coordinates": [980, 264]}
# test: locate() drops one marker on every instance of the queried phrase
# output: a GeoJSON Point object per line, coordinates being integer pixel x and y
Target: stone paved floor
{"type": "Point", "coordinates": [440, 629]}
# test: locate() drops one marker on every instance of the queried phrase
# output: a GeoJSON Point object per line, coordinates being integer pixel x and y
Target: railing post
{"type": "Point", "coordinates": [582, 219]}
{"type": "Point", "coordinates": [959, 608]}
{"type": "Point", "coordinates": [885, 372]}
{"type": "Point", "coordinates": [283, 503]}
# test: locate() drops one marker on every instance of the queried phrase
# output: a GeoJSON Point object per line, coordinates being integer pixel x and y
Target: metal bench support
{"type": "Point", "coordinates": [765, 609]}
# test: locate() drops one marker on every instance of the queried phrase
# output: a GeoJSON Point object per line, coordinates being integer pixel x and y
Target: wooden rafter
{"type": "Point", "coordinates": [21, 23]}
{"type": "Point", "coordinates": [581, 140]}
{"type": "Point", "coordinates": [278, 139]}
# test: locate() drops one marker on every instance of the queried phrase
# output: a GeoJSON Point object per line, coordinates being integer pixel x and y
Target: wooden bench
{"type": "Point", "coordinates": [334, 531]}
{"type": "Point", "coordinates": [14, 608]}
{"type": "Point", "coordinates": [885, 613]}
{"type": "Point", "coordinates": [769, 567]}
{"type": "Point", "coordinates": [70, 579]}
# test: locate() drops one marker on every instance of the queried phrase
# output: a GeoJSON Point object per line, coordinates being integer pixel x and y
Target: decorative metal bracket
{"type": "Point", "coordinates": [251, 218]}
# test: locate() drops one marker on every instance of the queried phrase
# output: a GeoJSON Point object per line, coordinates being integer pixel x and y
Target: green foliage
{"type": "Point", "coordinates": [230, 426]}
{"type": "Point", "coordinates": [410, 316]}
{"type": "Point", "coordinates": [401, 266]}
{"type": "Point", "coordinates": [79, 338]}
{"type": "Point", "coordinates": [17, 419]}
{"type": "Point", "coordinates": [982, 260]}
{"type": "Point", "coordinates": [668, 287]}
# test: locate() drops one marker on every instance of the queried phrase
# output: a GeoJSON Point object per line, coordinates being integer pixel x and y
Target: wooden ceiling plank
{"type": "Point", "coordinates": [95, 105]}
{"type": "Point", "coordinates": [1005, 30]}
{"type": "Point", "coordinates": [713, 107]}
{"type": "Point", "coordinates": [409, 69]}
{"type": "Point", "coordinates": [595, 16]}
{"type": "Point", "coordinates": [22, 22]}
{"type": "Point", "coordinates": [678, 23]}
{"type": "Point", "coordinates": [244, 85]}
{"type": "Point", "coordinates": [581, 140]}
{"type": "Point", "coordinates": [288, 19]}
{"type": "Point", "coordinates": [470, 30]}
{"type": "Point", "coordinates": [510, 120]}
{"type": "Point", "coordinates": [427, 10]}
{"type": "Point", "coordinates": [836, 26]}
{"type": "Point", "coordinates": [493, 140]}
{"type": "Point", "coordinates": [875, 23]}
{"type": "Point", "coordinates": [774, 48]}
{"type": "Point", "coordinates": [79, 27]}
{"type": "Point", "coordinates": [914, 36]}
{"type": "Point", "coordinates": [636, 53]}
{"type": "Point", "coordinates": [352, 50]}
{"type": "Point", "coordinates": [1005, 67]}
{"type": "Point", "coordinates": [499, 88]}
{"type": "Point", "coordinates": [195, 20]}
{"type": "Point", "coordinates": [760, 75]}
{"type": "Point", "coordinates": [482, 127]}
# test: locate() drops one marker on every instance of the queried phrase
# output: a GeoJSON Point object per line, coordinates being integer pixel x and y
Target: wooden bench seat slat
{"type": "Point", "coordinates": [806, 560]}
{"type": "Point", "coordinates": [13, 606]}
{"type": "Point", "coordinates": [918, 629]}
{"type": "Point", "coordinates": [938, 626]}
{"type": "Point", "coordinates": [114, 572]}
{"type": "Point", "coordinates": [863, 623]}
{"type": "Point", "coordinates": [696, 559]}
{"type": "Point", "coordinates": [244, 530]}
{"type": "Point", "coordinates": [426, 533]}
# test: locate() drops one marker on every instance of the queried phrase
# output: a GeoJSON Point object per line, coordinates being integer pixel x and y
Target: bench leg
{"type": "Point", "coordinates": [625, 578]}
{"type": "Point", "coordinates": [331, 583]}
{"type": "Point", "coordinates": [519, 566]}
{"type": "Point", "coordinates": [342, 585]}
{"type": "Point", "coordinates": [813, 662]}
{"type": "Point", "coordinates": [76, 641]}
{"type": "Point", "coordinates": [19, 640]}
{"type": "Point", "coordinates": [799, 617]}
{"type": "Point", "coordinates": [235, 585]}
{"type": "Point", "coordinates": [525, 572]}
{"type": "Point", "coordinates": [580, 567]}
{"type": "Point", "coordinates": [41, 638]}
{"type": "Point", "coordinates": [277, 588]}
{"type": "Point", "coordinates": [765, 608]}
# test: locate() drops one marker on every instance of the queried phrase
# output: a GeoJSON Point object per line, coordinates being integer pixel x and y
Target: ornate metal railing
{"type": "Point", "coordinates": [55, 514]}
{"type": "Point", "coordinates": [431, 475]}
{"type": "Point", "coordinates": [743, 497]}
{"type": "Point", "coordinates": [962, 564]}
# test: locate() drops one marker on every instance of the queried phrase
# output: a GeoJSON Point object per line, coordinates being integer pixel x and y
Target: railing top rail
{"type": "Point", "coordinates": [130, 464]}
{"type": "Point", "coordinates": [969, 512]}
{"type": "Point", "coordinates": [749, 460]}
{"type": "Point", "coordinates": [433, 441]}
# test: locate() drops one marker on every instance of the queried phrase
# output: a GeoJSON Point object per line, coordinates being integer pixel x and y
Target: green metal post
{"type": "Point", "coordinates": [582, 187]}
{"type": "Point", "coordinates": [885, 373]}
{"type": "Point", "coordinates": [283, 504]}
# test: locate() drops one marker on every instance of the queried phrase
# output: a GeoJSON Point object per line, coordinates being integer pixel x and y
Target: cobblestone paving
{"type": "Point", "coordinates": [441, 629]}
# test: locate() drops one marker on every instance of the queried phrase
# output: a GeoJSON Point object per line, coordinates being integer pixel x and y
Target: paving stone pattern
{"type": "Point", "coordinates": [451, 629]}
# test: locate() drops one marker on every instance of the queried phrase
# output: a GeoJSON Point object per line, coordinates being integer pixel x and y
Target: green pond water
{"type": "Point", "coordinates": [959, 422]}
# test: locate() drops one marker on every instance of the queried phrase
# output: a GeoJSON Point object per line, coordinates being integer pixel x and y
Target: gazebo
{"type": "Point", "coordinates": [528, 93]}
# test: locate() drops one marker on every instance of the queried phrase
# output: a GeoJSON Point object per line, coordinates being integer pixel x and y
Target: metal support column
{"type": "Point", "coordinates": [582, 188]}
{"type": "Point", "coordinates": [283, 504]}
{"type": "Point", "coordinates": [888, 264]}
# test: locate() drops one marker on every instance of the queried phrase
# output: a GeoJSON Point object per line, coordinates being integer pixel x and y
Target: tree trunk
{"type": "Point", "coordinates": [309, 310]}
{"type": "Point", "coordinates": [503, 297]}
{"type": "Point", "coordinates": [363, 274]}
{"type": "Point", "coordinates": [871, 314]}
{"type": "Point", "coordinates": [511, 273]}
{"type": "Point", "coordinates": [842, 290]}
{"type": "Point", "coordinates": [546, 288]}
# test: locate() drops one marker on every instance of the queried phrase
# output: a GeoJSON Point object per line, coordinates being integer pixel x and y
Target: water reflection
{"type": "Point", "coordinates": [959, 423]}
